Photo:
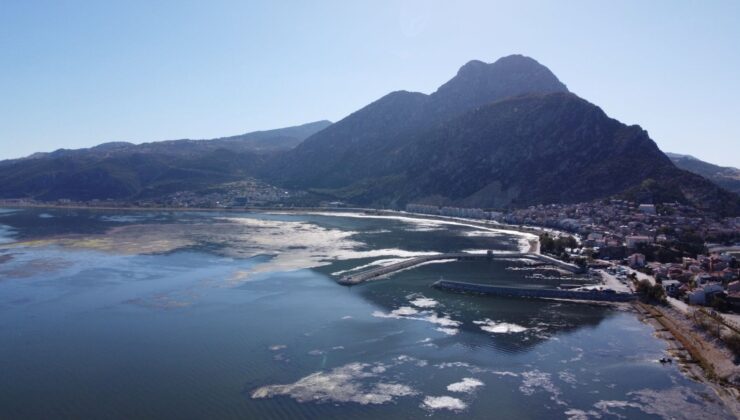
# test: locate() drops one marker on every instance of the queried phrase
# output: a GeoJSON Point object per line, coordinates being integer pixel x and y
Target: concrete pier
{"type": "Point", "coordinates": [363, 276]}
{"type": "Point", "coordinates": [520, 292]}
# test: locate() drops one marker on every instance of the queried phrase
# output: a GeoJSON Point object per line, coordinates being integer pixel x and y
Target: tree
{"type": "Point", "coordinates": [650, 293]}
{"type": "Point", "coordinates": [719, 302]}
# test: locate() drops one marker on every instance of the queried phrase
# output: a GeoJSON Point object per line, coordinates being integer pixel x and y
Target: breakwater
{"type": "Point", "coordinates": [362, 276]}
{"type": "Point", "coordinates": [520, 292]}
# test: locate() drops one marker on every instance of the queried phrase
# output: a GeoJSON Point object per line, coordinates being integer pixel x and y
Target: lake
{"type": "Point", "coordinates": [154, 314]}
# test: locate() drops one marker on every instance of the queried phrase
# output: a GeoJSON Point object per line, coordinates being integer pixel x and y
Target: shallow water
{"type": "Point", "coordinates": [113, 314]}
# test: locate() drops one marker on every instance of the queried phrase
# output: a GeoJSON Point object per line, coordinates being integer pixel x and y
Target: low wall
{"type": "Point", "coordinates": [458, 286]}
{"type": "Point", "coordinates": [362, 276]}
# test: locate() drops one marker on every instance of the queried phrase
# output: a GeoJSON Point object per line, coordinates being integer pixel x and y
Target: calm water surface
{"type": "Point", "coordinates": [113, 314]}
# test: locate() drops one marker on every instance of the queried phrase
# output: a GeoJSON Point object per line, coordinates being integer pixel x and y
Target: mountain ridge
{"type": "Point", "coordinates": [286, 137]}
{"type": "Point", "coordinates": [394, 118]}
{"type": "Point", "coordinates": [128, 171]}
{"type": "Point", "coordinates": [381, 155]}
{"type": "Point", "coordinates": [725, 177]}
{"type": "Point", "coordinates": [498, 135]}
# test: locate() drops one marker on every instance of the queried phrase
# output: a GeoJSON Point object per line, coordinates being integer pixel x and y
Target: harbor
{"type": "Point", "coordinates": [374, 273]}
{"type": "Point", "coordinates": [534, 293]}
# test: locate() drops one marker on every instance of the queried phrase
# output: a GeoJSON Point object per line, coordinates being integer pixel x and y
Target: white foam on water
{"type": "Point", "coordinates": [443, 403]}
{"type": "Point", "coordinates": [478, 251]}
{"type": "Point", "coordinates": [277, 347]}
{"type": "Point", "coordinates": [404, 311]}
{"type": "Point", "coordinates": [499, 327]}
{"type": "Point", "coordinates": [467, 385]}
{"type": "Point", "coordinates": [606, 405]}
{"type": "Point", "coordinates": [446, 365]}
{"type": "Point", "coordinates": [534, 380]}
{"type": "Point", "coordinates": [445, 324]}
{"type": "Point", "coordinates": [482, 234]}
{"type": "Point", "coordinates": [567, 377]}
{"type": "Point", "coordinates": [575, 414]}
{"type": "Point", "coordinates": [351, 383]}
{"type": "Point", "coordinates": [296, 245]}
{"type": "Point", "coordinates": [504, 373]}
{"type": "Point", "coordinates": [424, 302]}
{"type": "Point", "coordinates": [422, 223]}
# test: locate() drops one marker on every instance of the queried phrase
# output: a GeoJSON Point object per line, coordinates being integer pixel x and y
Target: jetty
{"type": "Point", "coordinates": [536, 293]}
{"type": "Point", "coordinates": [373, 273]}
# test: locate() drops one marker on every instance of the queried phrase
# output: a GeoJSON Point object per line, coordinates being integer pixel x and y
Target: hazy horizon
{"type": "Point", "coordinates": [80, 74]}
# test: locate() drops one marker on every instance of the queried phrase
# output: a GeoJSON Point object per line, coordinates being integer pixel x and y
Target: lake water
{"type": "Point", "coordinates": [115, 314]}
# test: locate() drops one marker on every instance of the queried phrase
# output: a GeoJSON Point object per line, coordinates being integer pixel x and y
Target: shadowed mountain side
{"type": "Point", "coordinates": [358, 146]}
{"type": "Point", "coordinates": [554, 148]}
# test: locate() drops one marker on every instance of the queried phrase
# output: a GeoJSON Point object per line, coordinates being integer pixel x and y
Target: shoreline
{"type": "Point", "coordinates": [533, 243]}
{"type": "Point", "coordinates": [699, 358]}
{"type": "Point", "coordinates": [699, 367]}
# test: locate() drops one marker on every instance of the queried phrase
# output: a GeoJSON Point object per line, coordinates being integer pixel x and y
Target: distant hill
{"type": "Point", "coordinates": [280, 139]}
{"type": "Point", "coordinates": [724, 176]}
{"type": "Point", "coordinates": [124, 170]}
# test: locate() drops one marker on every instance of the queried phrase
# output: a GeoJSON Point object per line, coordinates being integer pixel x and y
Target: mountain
{"type": "Point", "coordinates": [124, 170]}
{"type": "Point", "coordinates": [724, 176]}
{"type": "Point", "coordinates": [501, 135]}
{"type": "Point", "coordinates": [360, 145]}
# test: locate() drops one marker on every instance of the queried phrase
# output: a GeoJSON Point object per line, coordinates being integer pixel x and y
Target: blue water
{"type": "Point", "coordinates": [112, 314]}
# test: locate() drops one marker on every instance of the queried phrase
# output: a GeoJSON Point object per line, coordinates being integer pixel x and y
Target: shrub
{"type": "Point", "coordinates": [720, 303]}
{"type": "Point", "coordinates": [732, 340]}
{"type": "Point", "coordinates": [650, 293]}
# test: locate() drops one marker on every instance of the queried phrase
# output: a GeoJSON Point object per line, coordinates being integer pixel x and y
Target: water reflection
{"type": "Point", "coordinates": [506, 324]}
{"type": "Point", "coordinates": [151, 314]}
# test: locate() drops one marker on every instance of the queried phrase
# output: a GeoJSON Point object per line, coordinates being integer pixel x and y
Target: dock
{"type": "Point", "coordinates": [373, 273]}
{"type": "Point", "coordinates": [534, 293]}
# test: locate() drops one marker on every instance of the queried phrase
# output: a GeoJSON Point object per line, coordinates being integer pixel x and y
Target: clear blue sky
{"type": "Point", "coordinates": [75, 74]}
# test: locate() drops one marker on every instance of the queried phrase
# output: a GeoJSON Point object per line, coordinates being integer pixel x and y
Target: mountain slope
{"type": "Point", "coordinates": [501, 135]}
{"type": "Point", "coordinates": [724, 176]}
{"type": "Point", "coordinates": [505, 134]}
{"type": "Point", "coordinates": [124, 170]}
{"type": "Point", "coordinates": [339, 155]}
